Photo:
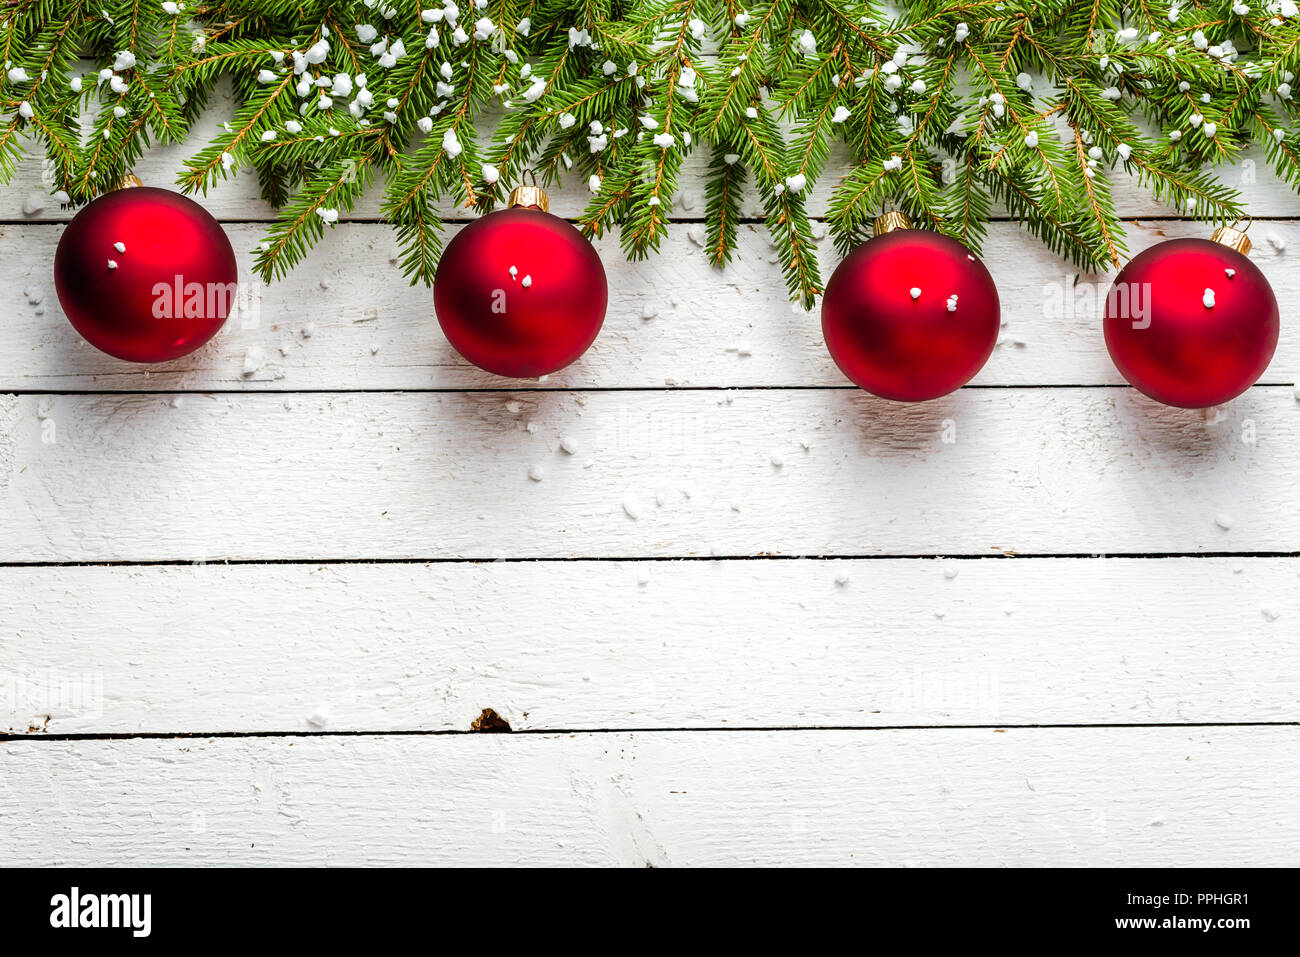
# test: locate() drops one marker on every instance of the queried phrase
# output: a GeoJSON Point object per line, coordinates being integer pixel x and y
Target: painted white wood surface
{"type": "Point", "coordinates": [591, 645]}
{"type": "Point", "coordinates": [447, 475]}
{"type": "Point", "coordinates": [1091, 796]}
{"type": "Point", "coordinates": [219, 465]}
{"type": "Point", "coordinates": [348, 320]}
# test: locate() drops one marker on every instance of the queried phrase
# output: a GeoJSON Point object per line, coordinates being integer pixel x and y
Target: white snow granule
{"type": "Point", "coordinates": [514, 272]}
{"type": "Point", "coordinates": [537, 473]}
{"type": "Point", "coordinates": [1223, 520]}
{"type": "Point", "coordinates": [527, 281]}
{"type": "Point", "coordinates": [569, 446]}
{"type": "Point", "coordinates": [1270, 613]}
{"type": "Point", "coordinates": [631, 507]}
{"type": "Point", "coordinates": [120, 247]}
{"type": "Point", "coordinates": [112, 264]}
{"type": "Point", "coordinates": [1230, 273]}
{"type": "Point", "coordinates": [950, 570]}
{"type": "Point", "coordinates": [642, 577]}
{"type": "Point", "coordinates": [253, 359]}
{"type": "Point", "coordinates": [915, 292]}
{"type": "Point", "coordinates": [1208, 298]}
{"type": "Point", "coordinates": [1277, 241]}
{"type": "Point", "coordinates": [842, 577]}
{"type": "Point", "coordinates": [778, 460]}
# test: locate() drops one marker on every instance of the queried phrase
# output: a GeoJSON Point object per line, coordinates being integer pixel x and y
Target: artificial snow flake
{"type": "Point", "coordinates": [112, 264]}
{"type": "Point", "coordinates": [1230, 273]}
{"type": "Point", "coordinates": [1124, 151]}
{"type": "Point", "coordinates": [266, 76]}
{"type": "Point", "coordinates": [915, 292]}
{"type": "Point", "coordinates": [526, 281]}
{"type": "Point", "coordinates": [123, 60]}
{"type": "Point", "coordinates": [329, 215]}
{"type": "Point", "coordinates": [26, 112]}
{"type": "Point", "coordinates": [961, 33]}
{"type": "Point", "coordinates": [293, 126]}
{"type": "Point", "coordinates": [366, 33]}
{"type": "Point", "coordinates": [648, 121]}
{"type": "Point", "coordinates": [450, 145]}
{"type": "Point", "coordinates": [808, 43]}
{"type": "Point", "coordinates": [796, 183]}
{"type": "Point", "coordinates": [268, 136]}
{"type": "Point", "coordinates": [664, 140]}
{"type": "Point", "coordinates": [894, 162]}
{"type": "Point", "coordinates": [1031, 139]}
{"type": "Point", "coordinates": [1208, 298]}
{"type": "Point", "coordinates": [841, 114]}
{"type": "Point", "coordinates": [731, 159]}
{"type": "Point", "coordinates": [593, 183]}
{"type": "Point", "coordinates": [567, 120]}
{"type": "Point", "coordinates": [490, 173]}
{"type": "Point", "coordinates": [425, 123]}
{"type": "Point", "coordinates": [751, 113]}
{"type": "Point", "coordinates": [537, 473]}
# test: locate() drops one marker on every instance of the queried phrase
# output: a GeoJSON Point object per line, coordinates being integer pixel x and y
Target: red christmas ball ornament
{"type": "Point", "coordinates": [911, 314]}
{"type": "Point", "coordinates": [1192, 322]}
{"type": "Point", "coordinates": [520, 292]}
{"type": "Point", "coordinates": [145, 274]}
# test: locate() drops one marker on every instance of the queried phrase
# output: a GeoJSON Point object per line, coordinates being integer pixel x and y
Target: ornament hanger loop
{"type": "Point", "coordinates": [528, 177]}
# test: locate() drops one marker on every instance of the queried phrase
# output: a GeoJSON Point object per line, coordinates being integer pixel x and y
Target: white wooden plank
{"type": "Point", "coordinates": [1210, 797]}
{"type": "Point", "coordinates": [368, 328]}
{"type": "Point", "coordinates": [238, 198]}
{"type": "Point", "coordinates": [256, 648]}
{"type": "Point", "coordinates": [446, 475]}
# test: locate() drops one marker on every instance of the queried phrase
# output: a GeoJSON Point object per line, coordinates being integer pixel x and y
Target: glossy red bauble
{"type": "Point", "coordinates": [1191, 322]}
{"type": "Point", "coordinates": [911, 315]}
{"type": "Point", "coordinates": [520, 293]}
{"type": "Point", "coordinates": [145, 274]}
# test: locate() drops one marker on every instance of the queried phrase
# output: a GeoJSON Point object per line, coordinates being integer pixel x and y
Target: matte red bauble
{"type": "Point", "coordinates": [145, 274]}
{"type": "Point", "coordinates": [520, 292]}
{"type": "Point", "coordinates": [1192, 322]}
{"type": "Point", "coordinates": [910, 314]}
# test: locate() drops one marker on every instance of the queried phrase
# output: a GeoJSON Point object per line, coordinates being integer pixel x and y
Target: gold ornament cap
{"type": "Point", "coordinates": [1232, 238]}
{"type": "Point", "coordinates": [890, 221]}
{"type": "Point", "coordinates": [129, 181]}
{"type": "Point", "coordinates": [530, 196]}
